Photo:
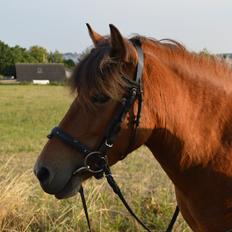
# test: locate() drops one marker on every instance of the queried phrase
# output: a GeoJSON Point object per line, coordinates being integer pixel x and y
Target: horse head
{"type": "Point", "coordinates": [101, 81]}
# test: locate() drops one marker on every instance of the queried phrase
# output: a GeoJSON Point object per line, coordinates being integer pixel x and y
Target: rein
{"type": "Point", "coordinates": [96, 162]}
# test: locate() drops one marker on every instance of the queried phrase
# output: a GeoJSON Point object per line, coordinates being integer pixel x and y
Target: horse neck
{"type": "Point", "coordinates": [180, 113]}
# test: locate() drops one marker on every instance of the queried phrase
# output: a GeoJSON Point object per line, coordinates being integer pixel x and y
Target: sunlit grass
{"type": "Point", "coordinates": [27, 113]}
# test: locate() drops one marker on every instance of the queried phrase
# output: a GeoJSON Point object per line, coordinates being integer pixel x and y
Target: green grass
{"type": "Point", "coordinates": [27, 113]}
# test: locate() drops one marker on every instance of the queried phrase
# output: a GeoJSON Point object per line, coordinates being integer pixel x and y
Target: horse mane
{"type": "Point", "coordinates": [98, 73]}
{"type": "Point", "coordinates": [191, 64]}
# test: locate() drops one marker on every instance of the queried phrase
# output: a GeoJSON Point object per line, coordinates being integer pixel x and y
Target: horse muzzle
{"type": "Point", "coordinates": [62, 184]}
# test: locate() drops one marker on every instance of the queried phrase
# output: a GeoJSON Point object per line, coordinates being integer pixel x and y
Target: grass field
{"type": "Point", "coordinates": [27, 113]}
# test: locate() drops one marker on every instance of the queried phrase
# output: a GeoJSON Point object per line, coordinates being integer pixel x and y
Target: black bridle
{"type": "Point", "coordinates": [96, 162]}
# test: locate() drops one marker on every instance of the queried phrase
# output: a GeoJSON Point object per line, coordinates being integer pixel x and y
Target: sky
{"type": "Point", "coordinates": [60, 24]}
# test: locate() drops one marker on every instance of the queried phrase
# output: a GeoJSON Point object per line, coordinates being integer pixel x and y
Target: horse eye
{"type": "Point", "coordinates": [100, 99]}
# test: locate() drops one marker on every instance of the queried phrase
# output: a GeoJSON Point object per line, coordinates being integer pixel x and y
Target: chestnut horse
{"type": "Point", "coordinates": [186, 123]}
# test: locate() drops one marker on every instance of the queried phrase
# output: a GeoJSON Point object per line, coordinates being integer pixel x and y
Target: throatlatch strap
{"type": "Point", "coordinates": [85, 207]}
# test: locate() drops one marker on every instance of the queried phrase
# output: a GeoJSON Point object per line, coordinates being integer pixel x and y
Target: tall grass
{"type": "Point", "coordinates": [26, 115]}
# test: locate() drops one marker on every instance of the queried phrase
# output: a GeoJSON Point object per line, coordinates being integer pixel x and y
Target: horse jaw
{"type": "Point", "coordinates": [70, 189]}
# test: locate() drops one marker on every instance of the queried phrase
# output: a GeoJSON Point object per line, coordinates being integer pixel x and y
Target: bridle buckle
{"type": "Point", "coordinates": [109, 145]}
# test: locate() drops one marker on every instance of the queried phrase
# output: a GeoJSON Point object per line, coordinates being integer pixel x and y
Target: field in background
{"type": "Point", "coordinates": [27, 113]}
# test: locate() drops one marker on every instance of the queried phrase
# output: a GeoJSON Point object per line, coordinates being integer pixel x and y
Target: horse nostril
{"type": "Point", "coordinates": [43, 174]}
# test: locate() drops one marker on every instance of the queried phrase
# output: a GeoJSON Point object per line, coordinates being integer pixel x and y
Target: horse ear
{"type": "Point", "coordinates": [96, 38]}
{"type": "Point", "coordinates": [119, 44]}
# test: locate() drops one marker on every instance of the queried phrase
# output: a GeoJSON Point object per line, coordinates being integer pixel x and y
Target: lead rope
{"type": "Point", "coordinates": [113, 184]}
{"type": "Point", "coordinates": [81, 191]}
{"type": "Point", "coordinates": [118, 192]}
{"type": "Point", "coordinates": [173, 220]}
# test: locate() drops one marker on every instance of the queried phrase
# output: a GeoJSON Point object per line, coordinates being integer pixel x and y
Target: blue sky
{"type": "Point", "coordinates": [60, 24]}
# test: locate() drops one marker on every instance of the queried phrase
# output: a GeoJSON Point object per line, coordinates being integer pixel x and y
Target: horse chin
{"type": "Point", "coordinates": [70, 189]}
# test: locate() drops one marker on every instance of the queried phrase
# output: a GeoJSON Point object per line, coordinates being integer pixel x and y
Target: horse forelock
{"type": "Point", "coordinates": [98, 73]}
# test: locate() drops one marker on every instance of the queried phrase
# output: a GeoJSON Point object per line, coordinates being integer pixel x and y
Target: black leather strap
{"type": "Point", "coordinates": [118, 192]}
{"type": "Point", "coordinates": [81, 191]}
{"type": "Point", "coordinates": [173, 220]}
{"type": "Point", "coordinates": [64, 137]}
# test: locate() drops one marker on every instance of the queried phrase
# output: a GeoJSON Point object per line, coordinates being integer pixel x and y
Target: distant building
{"type": "Point", "coordinates": [30, 72]}
{"type": "Point", "coordinates": [227, 57]}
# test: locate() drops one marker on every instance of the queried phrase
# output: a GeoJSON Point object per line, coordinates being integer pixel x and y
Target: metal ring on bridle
{"type": "Point", "coordinates": [88, 166]}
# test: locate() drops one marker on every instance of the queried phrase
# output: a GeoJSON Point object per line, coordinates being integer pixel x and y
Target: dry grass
{"type": "Point", "coordinates": [25, 207]}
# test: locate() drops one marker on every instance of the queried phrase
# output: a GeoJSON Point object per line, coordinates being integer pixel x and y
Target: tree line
{"type": "Point", "coordinates": [9, 56]}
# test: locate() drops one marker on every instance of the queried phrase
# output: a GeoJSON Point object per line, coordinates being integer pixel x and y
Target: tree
{"type": "Point", "coordinates": [55, 57]}
{"type": "Point", "coordinates": [9, 56]}
{"type": "Point", "coordinates": [40, 54]}
{"type": "Point", "coordinates": [69, 63]}
{"type": "Point", "coordinates": [84, 54]}
{"type": "Point", "coordinates": [205, 52]}
{"type": "Point", "coordinates": [21, 55]}
{"type": "Point", "coordinates": [6, 60]}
